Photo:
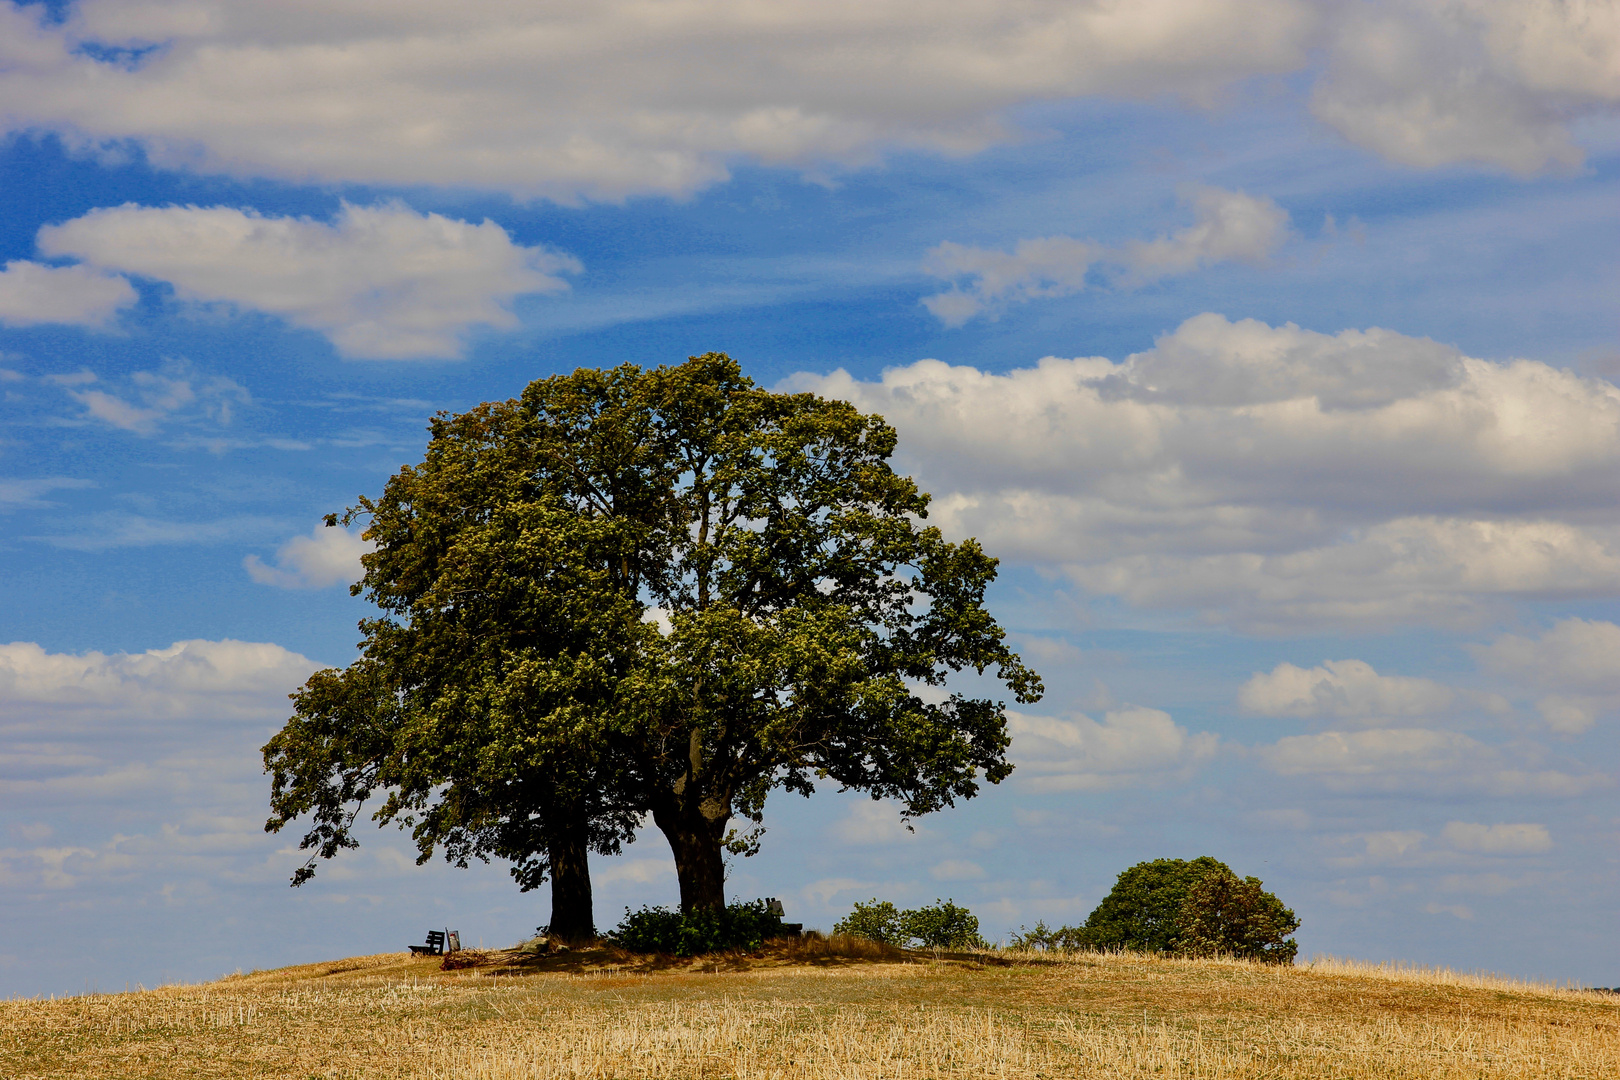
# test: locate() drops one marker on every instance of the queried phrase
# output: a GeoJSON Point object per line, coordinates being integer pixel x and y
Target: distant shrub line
{"type": "Point", "coordinates": [1195, 907]}
{"type": "Point", "coordinates": [943, 925]}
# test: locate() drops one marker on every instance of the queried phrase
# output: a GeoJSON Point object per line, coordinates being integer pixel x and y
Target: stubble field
{"type": "Point", "coordinates": [811, 1013]}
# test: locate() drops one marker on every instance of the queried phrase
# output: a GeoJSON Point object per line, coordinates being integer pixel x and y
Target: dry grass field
{"type": "Point", "coordinates": [821, 1011]}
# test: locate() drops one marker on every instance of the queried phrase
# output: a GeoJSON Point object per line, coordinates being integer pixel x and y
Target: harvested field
{"type": "Point", "coordinates": [847, 1010]}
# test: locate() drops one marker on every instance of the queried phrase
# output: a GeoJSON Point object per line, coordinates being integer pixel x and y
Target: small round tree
{"type": "Point", "coordinates": [1196, 907]}
{"type": "Point", "coordinates": [1224, 915]}
{"type": "Point", "coordinates": [1142, 913]}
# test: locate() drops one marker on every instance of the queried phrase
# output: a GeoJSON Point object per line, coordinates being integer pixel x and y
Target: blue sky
{"type": "Point", "coordinates": [1271, 344]}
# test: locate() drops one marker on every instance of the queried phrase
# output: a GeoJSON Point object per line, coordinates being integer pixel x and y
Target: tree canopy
{"type": "Point", "coordinates": [629, 592]}
{"type": "Point", "coordinates": [1195, 907]}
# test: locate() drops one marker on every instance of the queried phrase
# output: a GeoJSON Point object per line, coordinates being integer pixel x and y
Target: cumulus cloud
{"type": "Point", "coordinates": [1418, 761]}
{"type": "Point", "coordinates": [39, 690]}
{"type": "Point", "coordinates": [611, 99]}
{"type": "Point", "coordinates": [146, 766]}
{"type": "Point", "coordinates": [380, 282]}
{"type": "Point", "coordinates": [1491, 81]}
{"type": "Point", "coordinates": [1129, 747]}
{"type": "Point", "coordinates": [607, 99]}
{"type": "Point", "coordinates": [1580, 655]}
{"type": "Point", "coordinates": [1343, 689]}
{"type": "Point", "coordinates": [1274, 477]}
{"type": "Point", "coordinates": [32, 293]}
{"type": "Point", "coordinates": [1497, 839]}
{"type": "Point", "coordinates": [327, 556]}
{"type": "Point", "coordinates": [1578, 659]}
{"type": "Point", "coordinates": [1230, 226]}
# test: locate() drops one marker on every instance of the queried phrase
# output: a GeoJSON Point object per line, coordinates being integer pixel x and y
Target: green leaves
{"type": "Point", "coordinates": [1225, 916]}
{"type": "Point", "coordinates": [517, 684]}
{"type": "Point", "coordinates": [1196, 907]}
{"type": "Point", "coordinates": [735, 926]}
{"type": "Point", "coordinates": [944, 924]}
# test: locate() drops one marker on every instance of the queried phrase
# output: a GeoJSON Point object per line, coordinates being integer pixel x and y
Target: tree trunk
{"type": "Point", "coordinates": [571, 916]}
{"type": "Point", "coordinates": [696, 838]}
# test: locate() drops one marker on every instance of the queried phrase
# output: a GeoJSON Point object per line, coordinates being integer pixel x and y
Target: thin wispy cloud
{"type": "Point", "coordinates": [1230, 227]}
{"type": "Point", "coordinates": [147, 401]}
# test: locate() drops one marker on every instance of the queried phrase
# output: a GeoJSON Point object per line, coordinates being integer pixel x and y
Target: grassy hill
{"type": "Point", "coordinates": [815, 1011]}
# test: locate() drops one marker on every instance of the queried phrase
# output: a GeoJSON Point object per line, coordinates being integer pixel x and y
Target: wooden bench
{"type": "Point", "coordinates": [773, 906]}
{"type": "Point", "coordinates": [434, 946]}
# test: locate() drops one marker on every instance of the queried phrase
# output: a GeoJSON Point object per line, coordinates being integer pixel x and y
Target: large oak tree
{"type": "Point", "coordinates": [662, 592]}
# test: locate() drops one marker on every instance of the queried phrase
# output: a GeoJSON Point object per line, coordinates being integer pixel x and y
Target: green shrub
{"type": "Point", "coordinates": [943, 925]}
{"type": "Point", "coordinates": [659, 930]}
{"type": "Point", "coordinates": [876, 921]}
{"type": "Point", "coordinates": [1143, 911]}
{"type": "Point", "coordinates": [1045, 937]}
{"type": "Point", "coordinates": [1193, 908]}
{"type": "Point", "coordinates": [1224, 915]}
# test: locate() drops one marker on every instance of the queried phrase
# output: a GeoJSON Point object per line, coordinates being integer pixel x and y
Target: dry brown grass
{"type": "Point", "coordinates": [819, 1010]}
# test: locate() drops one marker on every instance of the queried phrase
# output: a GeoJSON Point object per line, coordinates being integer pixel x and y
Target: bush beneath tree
{"type": "Point", "coordinates": [659, 930]}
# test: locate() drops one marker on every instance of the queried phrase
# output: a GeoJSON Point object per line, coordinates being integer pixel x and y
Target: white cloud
{"type": "Point", "coordinates": [874, 822]}
{"type": "Point", "coordinates": [1412, 848]}
{"type": "Point", "coordinates": [1344, 689]}
{"type": "Point", "coordinates": [635, 871]}
{"type": "Point", "coordinates": [1272, 477]}
{"type": "Point", "coordinates": [327, 556]}
{"type": "Point", "coordinates": [1048, 651]}
{"type": "Point", "coordinates": [1418, 760]}
{"type": "Point", "coordinates": [381, 282]}
{"type": "Point", "coordinates": [614, 98]}
{"type": "Point", "coordinates": [1497, 839]}
{"type": "Point", "coordinates": [956, 870]}
{"type": "Point", "coordinates": [822, 891]}
{"type": "Point", "coordinates": [1045, 266]}
{"type": "Point", "coordinates": [1230, 226]}
{"type": "Point", "coordinates": [147, 762]}
{"type": "Point", "coordinates": [1492, 81]}
{"type": "Point", "coordinates": [32, 293]}
{"type": "Point", "coordinates": [1391, 845]}
{"type": "Point", "coordinates": [1578, 655]}
{"type": "Point", "coordinates": [606, 99]}
{"type": "Point", "coordinates": [1129, 747]}
{"type": "Point", "coordinates": [227, 679]}
{"type": "Point", "coordinates": [1578, 659]}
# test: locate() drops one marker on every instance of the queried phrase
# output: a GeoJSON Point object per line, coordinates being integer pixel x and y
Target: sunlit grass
{"type": "Point", "coordinates": [820, 1013]}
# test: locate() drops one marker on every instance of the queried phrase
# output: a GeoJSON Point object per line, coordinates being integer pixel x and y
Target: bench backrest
{"type": "Point", "coordinates": [435, 938]}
